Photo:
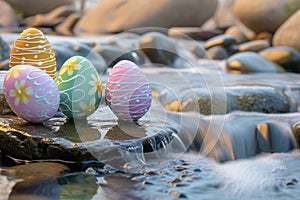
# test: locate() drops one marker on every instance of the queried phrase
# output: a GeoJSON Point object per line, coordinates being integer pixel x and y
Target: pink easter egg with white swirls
{"type": "Point", "coordinates": [128, 91]}
{"type": "Point", "coordinates": [31, 93]}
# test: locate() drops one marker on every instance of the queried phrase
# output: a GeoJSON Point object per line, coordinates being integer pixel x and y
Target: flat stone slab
{"type": "Point", "coordinates": [157, 136]}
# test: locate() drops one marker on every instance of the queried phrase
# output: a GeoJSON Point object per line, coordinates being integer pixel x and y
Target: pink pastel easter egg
{"type": "Point", "coordinates": [128, 91]}
{"type": "Point", "coordinates": [31, 93]}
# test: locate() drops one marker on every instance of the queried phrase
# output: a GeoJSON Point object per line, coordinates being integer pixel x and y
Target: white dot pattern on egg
{"type": "Point", "coordinates": [31, 93]}
{"type": "Point", "coordinates": [33, 48]}
{"type": "Point", "coordinates": [80, 87]}
{"type": "Point", "coordinates": [128, 91]}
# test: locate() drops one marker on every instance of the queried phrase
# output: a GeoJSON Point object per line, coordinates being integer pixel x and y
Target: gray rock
{"type": "Point", "coordinates": [250, 62]}
{"type": "Point", "coordinates": [4, 50]}
{"type": "Point", "coordinates": [254, 46]}
{"type": "Point", "coordinates": [65, 50]}
{"type": "Point", "coordinates": [38, 8]}
{"type": "Point", "coordinates": [4, 107]}
{"type": "Point", "coordinates": [112, 55]}
{"type": "Point", "coordinates": [217, 53]}
{"type": "Point", "coordinates": [236, 33]}
{"type": "Point", "coordinates": [265, 15]}
{"type": "Point", "coordinates": [288, 33]}
{"type": "Point", "coordinates": [285, 56]}
{"type": "Point", "coordinates": [240, 98]}
{"type": "Point", "coordinates": [7, 16]}
{"type": "Point", "coordinates": [114, 16]}
{"type": "Point", "coordinates": [158, 48]}
{"type": "Point", "coordinates": [222, 40]}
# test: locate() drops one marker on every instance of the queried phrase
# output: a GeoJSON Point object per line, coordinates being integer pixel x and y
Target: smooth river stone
{"type": "Point", "coordinates": [112, 55]}
{"type": "Point", "coordinates": [223, 40]}
{"type": "Point", "coordinates": [7, 16]}
{"type": "Point", "coordinates": [4, 107]}
{"type": "Point", "coordinates": [119, 15]}
{"type": "Point", "coordinates": [254, 46]}
{"type": "Point", "coordinates": [288, 33]}
{"type": "Point", "coordinates": [65, 50]}
{"type": "Point", "coordinates": [238, 98]}
{"type": "Point", "coordinates": [195, 33]}
{"type": "Point", "coordinates": [158, 47]}
{"type": "Point", "coordinates": [4, 54]}
{"type": "Point", "coordinates": [217, 53]}
{"type": "Point", "coordinates": [237, 33]}
{"type": "Point", "coordinates": [265, 15]}
{"type": "Point", "coordinates": [250, 62]}
{"type": "Point", "coordinates": [38, 7]}
{"type": "Point", "coordinates": [260, 92]}
{"type": "Point", "coordinates": [285, 56]}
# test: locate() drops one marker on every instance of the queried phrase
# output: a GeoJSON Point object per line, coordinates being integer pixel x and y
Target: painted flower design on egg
{"type": "Point", "coordinates": [21, 93]}
{"type": "Point", "coordinates": [96, 85]}
{"type": "Point", "coordinates": [14, 72]}
{"type": "Point", "coordinates": [87, 109]}
{"type": "Point", "coordinates": [80, 87]}
{"type": "Point", "coordinates": [70, 66]}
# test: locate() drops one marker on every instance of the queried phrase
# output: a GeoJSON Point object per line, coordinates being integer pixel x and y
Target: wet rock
{"type": "Point", "coordinates": [7, 16]}
{"type": "Point", "coordinates": [78, 186]}
{"type": "Point", "coordinates": [221, 40]}
{"type": "Point", "coordinates": [249, 62]}
{"type": "Point", "coordinates": [285, 56]}
{"type": "Point", "coordinates": [38, 7]}
{"type": "Point", "coordinates": [236, 33]}
{"type": "Point", "coordinates": [4, 107]}
{"type": "Point", "coordinates": [4, 51]}
{"type": "Point", "coordinates": [251, 99]}
{"type": "Point", "coordinates": [260, 92]}
{"type": "Point", "coordinates": [105, 17]}
{"type": "Point", "coordinates": [158, 48]}
{"type": "Point", "coordinates": [82, 141]}
{"type": "Point", "coordinates": [254, 46]}
{"type": "Point", "coordinates": [287, 34]}
{"type": "Point", "coordinates": [37, 178]}
{"type": "Point", "coordinates": [264, 15]}
{"type": "Point", "coordinates": [50, 19]}
{"type": "Point", "coordinates": [273, 136]}
{"type": "Point", "coordinates": [65, 50]}
{"type": "Point", "coordinates": [195, 33]}
{"type": "Point", "coordinates": [112, 55]}
{"type": "Point", "coordinates": [217, 53]}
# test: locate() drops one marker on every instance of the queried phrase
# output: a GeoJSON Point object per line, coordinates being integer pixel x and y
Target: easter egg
{"type": "Point", "coordinates": [80, 87]}
{"type": "Point", "coordinates": [33, 48]}
{"type": "Point", "coordinates": [128, 91]}
{"type": "Point", "coordinates": [31, 93]}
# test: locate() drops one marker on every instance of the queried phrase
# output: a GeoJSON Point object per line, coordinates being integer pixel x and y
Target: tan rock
{"type": "Point", "coordinates": [265, 15]}
{"type": "Point", "coordinates": [288, 33]}
{"type": "Point", "coordinates": [33, 7]}
{"type": "Point", "coordinates": [121, 15]}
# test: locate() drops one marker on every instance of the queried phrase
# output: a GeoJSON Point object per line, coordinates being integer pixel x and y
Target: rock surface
{"type": "Point", "coordinates": [288, 33]}
{"type": "Point", "coordinates": [158, 47]}
{"type": "Point", "coordinates": [38, 7]}
{"type": "Point", "coordinates": [265, 15]}
{"type": "Point", "coordinates": [7, 16]}
{"type": "Point", "coordinates": [285, 56]}
{"type": "Point", "coordinates": [250, 62]}
{"type": "Point", "coordinates": [104, 17]}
